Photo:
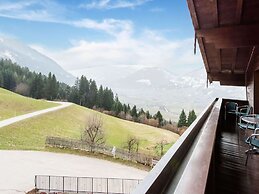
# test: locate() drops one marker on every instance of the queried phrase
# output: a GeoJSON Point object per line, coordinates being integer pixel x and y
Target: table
{"type": "Point", "coordinates": [250, 120]}
{"type": "Point", "coordinates": [254, 121]}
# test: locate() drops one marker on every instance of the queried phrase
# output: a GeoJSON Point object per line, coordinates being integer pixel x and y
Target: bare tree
{"type": "Point", "coordinates": [160, 146]}
{"type": "Point", "coordinates": [132, 144]}
{"type": "Point", "coordinates": [93, 133]}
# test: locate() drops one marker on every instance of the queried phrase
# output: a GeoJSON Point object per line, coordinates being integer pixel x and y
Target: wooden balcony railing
{"type": "Point", "coordinates": [185, 167]}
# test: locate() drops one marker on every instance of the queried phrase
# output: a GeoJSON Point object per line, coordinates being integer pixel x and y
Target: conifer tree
{"type": "Point", "coordinates": [108, 99]}
{"type": "Point", "coordinates": [159, 116]}
{"type": "Point", "coordinates": [83, 90]}
{"type": "Point", "coordinates": [117, 106]}
{"type": "Point", "coordinates": [100, 97]}
{"type": "Point", "coordinates": [182, 119]}
{"type": "Point", "coordinates": [191, 117]}
{"type": "Point", "coordinates": [134, 113]}
{"type": "Point", "coordinates": [125, 108]}
{"type": "Point", "coordinates": [148, 115]}
{"type": "Point", "coordinates": [128, 108]}
{"type": "Point", "coordinates": [92, 94]}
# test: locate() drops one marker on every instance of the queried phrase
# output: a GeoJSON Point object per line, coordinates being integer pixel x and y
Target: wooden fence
{"type": "Point", "coordinates": [107, 150]}
{"type": "Point", "coordinates": [87, 185]}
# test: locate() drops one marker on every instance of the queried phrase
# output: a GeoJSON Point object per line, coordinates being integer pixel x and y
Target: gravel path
{"type": "Point", "coordinates": [33, 114]}
{"type": "Point", "coordinates": [17, 168]}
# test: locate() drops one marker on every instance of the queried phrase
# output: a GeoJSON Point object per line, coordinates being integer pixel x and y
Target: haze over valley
{"type": "Point", "coordinates": [152, 88]}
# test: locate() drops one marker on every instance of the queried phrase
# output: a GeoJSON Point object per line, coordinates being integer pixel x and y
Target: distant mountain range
{"type": "Point", "coordinates": [157, 89]}
{"type": "Point", "coordinates": [149, 88]}
{"type": "Point", "coordinates": [26, 56]}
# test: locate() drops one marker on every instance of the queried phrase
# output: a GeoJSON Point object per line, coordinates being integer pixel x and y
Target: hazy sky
{"type": "Point", "coordinates": [89, 36]}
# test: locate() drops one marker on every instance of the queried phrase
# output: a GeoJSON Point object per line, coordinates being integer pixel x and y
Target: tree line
{"type": "Point", "coordinates": [185, 121]}
{"type": "Point", "coordinates": [84, 92]}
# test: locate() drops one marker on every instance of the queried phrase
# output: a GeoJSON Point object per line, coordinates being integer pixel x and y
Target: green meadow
{"type": "Point", "coordinates": [12, 104]}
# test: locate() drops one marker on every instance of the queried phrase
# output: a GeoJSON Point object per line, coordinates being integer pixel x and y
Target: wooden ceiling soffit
{"type": "Point", "coordinates": [232, 36]}
{"type": "Point", "coordinates": [231, 83]}
{"type": "Point", "coordinates": [228, 78]}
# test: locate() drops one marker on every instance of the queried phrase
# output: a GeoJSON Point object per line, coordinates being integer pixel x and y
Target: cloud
{"type": "Point", "coordinates": [120, 57]}
{"type": "Point", "coordinates": [42, 11]}
{"type": "Point", "coordinates": [115, 4]}
{"type": "Point", "coordinates": [51, 12]}
{"type": "Point", "coordinates": [7, 6]}
{"type": "Point", "coordinates": [114, 27]}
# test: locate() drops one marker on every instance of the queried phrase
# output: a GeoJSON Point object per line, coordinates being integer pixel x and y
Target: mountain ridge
{"type": "Point", "coordinates": [28, 57]}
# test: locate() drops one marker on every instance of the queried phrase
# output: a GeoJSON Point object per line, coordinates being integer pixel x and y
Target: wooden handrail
{"type": "Point", "coordinates": [164, 175]}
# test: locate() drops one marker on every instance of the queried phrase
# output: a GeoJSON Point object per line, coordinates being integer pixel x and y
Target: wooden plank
{"type": "Point", "coordinates": [239, 11]}
{"type": "Point", "coordinates": [235, 50]}
{"type": "Point", "coordinates": [217, 76]}
{"type": "Point", "coordinates": [164, 174]}
{"type": "Point", "coordinates": [203, 53]}
{"type": "Point", "coordinates": [251, 58]}
{"type": "Point", "coordinates": [193, 13]}
{"type": "Point", "coordinates": [231, 175]}
{"type": "Point", "coordinates": [228, 78]}
{"type": "Point", "coordinates": [197, 169]}
{"type": "Point", "coordinates": [219, 62]}
{"type": "Point", "coordinates": [231, 36]}
{"type": "Point", "coordinates": [232, 83]}
{"type": "Point", "coordinates": [215, 13]}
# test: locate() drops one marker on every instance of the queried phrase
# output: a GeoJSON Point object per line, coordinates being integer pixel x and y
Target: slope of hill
{"type": "Point", "coordinates": [12, 104]}
{"type": "Point", "coordinates": [69, 122]}
{"type": "Point", "coordinates": [26, 56]}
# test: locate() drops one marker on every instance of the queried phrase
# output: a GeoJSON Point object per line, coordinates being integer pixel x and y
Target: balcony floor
{"type": "Point", "coordinates": [232, 176]}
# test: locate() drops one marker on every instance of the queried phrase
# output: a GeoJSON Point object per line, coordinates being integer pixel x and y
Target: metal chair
{"type": "Point", "coordinates": [243, 110]}
{"type": "Point", "coordinates": [230, 108]}
{"type": "Point", "coordinates": [253, 142]}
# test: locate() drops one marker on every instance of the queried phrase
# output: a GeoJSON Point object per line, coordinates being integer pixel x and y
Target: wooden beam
{"type": "Point", "coordinates": [232, 83]}
{"type": "Point", "coordinates": [227, 77]}
{"type": "Point", "coordinates": [239, 11]}
{"type": "Point", "coordinates": [215, 13]}
{"type": "Point", "coordinates": [193, 13]}
{"type": "Point", "coordinates": [234, 62]}
{"type": "Point", "coordinates": [251, 59]}
{"type": "Point", "coordinates": [231, 36]}
{"type": "Point", "coordinates": [204, 54]}
{"type": "Point", "coordinates": [218, 59]}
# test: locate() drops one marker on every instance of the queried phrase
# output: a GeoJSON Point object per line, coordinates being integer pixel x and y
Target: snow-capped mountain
{"type": "Point", "coordinates": [156, 89]}
{"type": "Point", "coordinates": [26, 56]}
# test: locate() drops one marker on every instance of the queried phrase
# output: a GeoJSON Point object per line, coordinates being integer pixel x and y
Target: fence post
{"type": "Point", "coordinates": [35, 181]}
{"type": "Point", "coordinates": [122, 185]}
{"type": "Point", "coordinates": [49, 183]}
{"type": "Point", "coordinates": [107, 185]}
{"type": "Point", "coordinates": [77, 185]}
{"type": "Point", "coordinates": [92, 184]}
{"type": "Point", "coordinates": [63, 184]}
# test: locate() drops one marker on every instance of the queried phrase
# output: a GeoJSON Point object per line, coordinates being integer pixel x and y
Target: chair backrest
{"type": "Point", "coordinates": [231, 106]}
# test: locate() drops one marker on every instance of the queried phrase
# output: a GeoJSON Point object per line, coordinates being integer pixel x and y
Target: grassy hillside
{"type": "Point", "coordinates": [68, 122]}
{"type": "Point", "coordinates": [12, 104]}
